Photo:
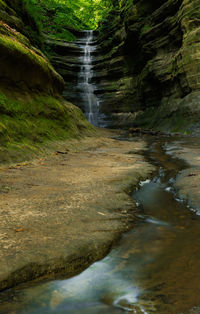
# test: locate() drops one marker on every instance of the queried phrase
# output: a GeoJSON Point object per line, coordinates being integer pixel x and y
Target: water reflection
{"type": "Point", "coordinates": [153, 269]}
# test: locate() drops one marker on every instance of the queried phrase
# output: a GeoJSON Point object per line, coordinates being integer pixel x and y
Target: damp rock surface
{"type": "Point", "coordinates": [187, 182]}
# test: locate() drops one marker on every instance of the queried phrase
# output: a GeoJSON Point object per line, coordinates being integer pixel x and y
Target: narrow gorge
{"type": "Point", "coordinates": [100, 166]}
{"type": "Point", "coordinates": [145, 66]}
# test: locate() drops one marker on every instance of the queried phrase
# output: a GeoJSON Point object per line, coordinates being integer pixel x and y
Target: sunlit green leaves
{"type": "Point", "coordinates": [81, 14]}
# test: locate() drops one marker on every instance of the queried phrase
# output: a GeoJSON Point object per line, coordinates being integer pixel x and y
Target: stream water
{"type": "Point", "coordinates": [154, 268]}
{"type": "Point", "coordinates": [85, 84]}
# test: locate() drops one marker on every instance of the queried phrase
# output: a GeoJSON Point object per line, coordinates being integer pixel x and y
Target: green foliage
{"type": "Point", "coordinates": [2, 4]}
{"type": "Point", "coordinates": [60, 17]}
{"type": "Point", "coordinates": [126, 4]}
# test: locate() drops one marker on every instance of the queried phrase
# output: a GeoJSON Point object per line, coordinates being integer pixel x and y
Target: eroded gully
{"type": "Point", "coordinates": [154, 268]}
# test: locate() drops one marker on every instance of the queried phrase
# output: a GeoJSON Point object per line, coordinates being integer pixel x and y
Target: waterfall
{"type": "Point", "coordinates": [85, 85]}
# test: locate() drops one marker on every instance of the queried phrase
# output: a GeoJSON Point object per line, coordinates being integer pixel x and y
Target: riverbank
{"type": "Point", "coordinates": [187, 181]}
{"type": "Point", "coordinates": [62, 212]}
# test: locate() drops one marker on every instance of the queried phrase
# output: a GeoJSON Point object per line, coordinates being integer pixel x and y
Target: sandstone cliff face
{"type": "Point", "coordinates": [66, 60]}
{"type": "Point", "coordinates": [151, 74]}
{"type": "Point", "coordinates": [32, 111]}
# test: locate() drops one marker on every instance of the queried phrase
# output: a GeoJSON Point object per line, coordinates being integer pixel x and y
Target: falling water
{"type": "Point", "coordinates": [85, 80]}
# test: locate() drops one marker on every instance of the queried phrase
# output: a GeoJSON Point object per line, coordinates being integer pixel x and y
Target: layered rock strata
{"type": "Point", "coordinates": [76, 63]}
{"type": "Point", "coordinates": [149, 73]}
{"type": "Point", "coordinates": [145, 66]}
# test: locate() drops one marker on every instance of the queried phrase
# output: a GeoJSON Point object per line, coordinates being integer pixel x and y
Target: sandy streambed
{"type": "Point", "coordinates": [61, 213]}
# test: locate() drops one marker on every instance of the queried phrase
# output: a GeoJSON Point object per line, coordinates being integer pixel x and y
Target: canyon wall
{"type": "Point", "coordinates": [32, 110]}
{"type": "Point", "coordinates": [149, 72]}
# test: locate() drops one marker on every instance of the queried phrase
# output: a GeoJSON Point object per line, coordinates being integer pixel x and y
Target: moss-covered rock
{"type": "Point", "coordinates": [29, 122]}
{"type": "Point", "coordinates": [15, 14]}
{"type": "Point", "coordinates": [32, 110]}
{"type": "Point", "coordinates": [23, 67]}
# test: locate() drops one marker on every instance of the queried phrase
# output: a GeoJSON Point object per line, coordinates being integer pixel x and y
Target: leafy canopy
{"type": "Point", "coordinates": [58, 17]}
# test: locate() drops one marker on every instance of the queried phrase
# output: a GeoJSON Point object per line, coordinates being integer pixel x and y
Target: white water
{"type": "Point", "coordinates": [85, 80]}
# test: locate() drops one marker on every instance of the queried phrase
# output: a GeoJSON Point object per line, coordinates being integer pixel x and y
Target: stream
{"type": "Point", "coordinates": [154, 268]}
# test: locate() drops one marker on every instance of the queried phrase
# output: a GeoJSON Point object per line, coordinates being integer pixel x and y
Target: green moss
{"type": "Point", "coordinates": [26, 125]}
{"type": "Point", "coordinates": [17, 44]}
{"type": "Point", "coordinates": [8, 31]}
{"type": "Point", "coordinates": [2, 4]}
{"type": "Point", "coordinates": [165, 119]}
{"type": "Point", "coordinates": [144, 75]}
{"type": "Point", "coordinates": [145, 29]}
